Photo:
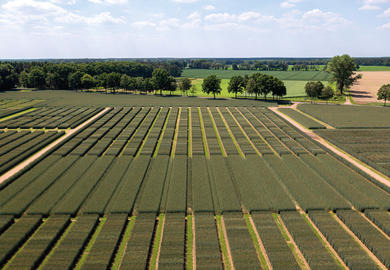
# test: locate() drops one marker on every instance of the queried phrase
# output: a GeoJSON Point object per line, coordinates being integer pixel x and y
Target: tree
{"type": "Point", "coordinates": [314, 89]}
{"type": "Point", "coordinates": [278, 88]}
{"type": "Point", "coordinates": [161, 79]}
{"type": "Point", "coordinates": [53, 80]}
{"type": "Point", "coordinates": [193, 90]}
{"type": "Point", "coordinates": [251, 87]}
{"type": "Point", "coordinates": [74, 80]}
{"type": "Point", "coordinates": [23, 79]}
{"type": "Point", "coordinates": [113, 80]}
{"type": "Point", "coordinates": [37, 77]}
{"type": "Point", "coordinates": [384, 93]}
{"type": "Point", "coordinates": [8, 77]}
{"type": "Point", "coordinates": [342, 69]}
{"type": "Point", "coordinates": [211, 84]}
{"type": "Point", "coordinates": [185, 85]}
{"type": "Point", "coordinates": [87, 81]}
{"type": "Point", "coordinates": [327, 93]}
{"type": "Point", "coordinates": [236, 85]}
{"type": "Point", "coordinates": [172, 85]}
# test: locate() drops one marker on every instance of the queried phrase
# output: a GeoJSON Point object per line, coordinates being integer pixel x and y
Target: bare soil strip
{"type": "Point", "coordinates": [370, 254]}
{"type": "Point", "coordinates": [374, 225]}
{"type": "Point", "coordinates": [365, 168]}
{"type": "Point", "coordinates": [44, 150]}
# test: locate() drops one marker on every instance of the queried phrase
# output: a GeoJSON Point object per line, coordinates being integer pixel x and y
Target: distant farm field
{"type": "Point", "coordinates": [374, 68]}
{"type": "Point", "coordinates": [282, 75]}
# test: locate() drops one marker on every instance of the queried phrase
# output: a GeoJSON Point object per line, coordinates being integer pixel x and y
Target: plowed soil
{"type": "Point", "coordinates": [365, 90]}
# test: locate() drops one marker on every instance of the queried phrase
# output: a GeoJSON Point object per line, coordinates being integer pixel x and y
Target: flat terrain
{"type": "Point", "coordinates": [350, 116]}
{"type": "Point", "coordinates": [365, 90]}
{"type": "Point", "coordinates": [182, 186]}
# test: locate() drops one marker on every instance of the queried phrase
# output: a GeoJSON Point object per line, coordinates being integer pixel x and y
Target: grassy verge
{"type": "Point", "coordinates": [157, 243]}
{"type": "Point", "coordinates": [17, 114]}
{"type": "Point", "coordinates": [222, 243]}
{"type": "Point", "coordinates": [205, 146]}
{"type": "Point", "coordinates": [173, 151]}
{"type": "Point", "coordinates": [256, 243]}
{"type": "Point", "coordinates": [122, 247]}
{"type": "Point", "coordinates": [189, 244]}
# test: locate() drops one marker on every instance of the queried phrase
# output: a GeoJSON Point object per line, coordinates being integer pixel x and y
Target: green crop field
{"type": "Point", "coordinates": [343, 117]}
{"type": "Point", "coordinates": [282, 75]}
{"type": "Point", "coordinates": [177, 186]}
{"type": "Point", "coordinates": [374, 68]}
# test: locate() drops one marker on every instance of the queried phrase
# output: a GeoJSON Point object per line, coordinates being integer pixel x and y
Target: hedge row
{"type": "Point", "coordinates": [348, 249]}
{"type": "Point", "coordinates": [242, 249]}
{"type": "Point", "coordinates": [278, 252]}
{"type": "Point", "coordinates": [207, 249]}
{"type": "Point", "coordinates": [70, 248]}
{"type": "Point", "coordinates": [106, 243]}
{"type": "Point", "coordinates": [37, 247]}
{"type": "Point", "coordinates": [172, 250]}
{"type": "Point", "coordinates": [311, 247]}
{"type": "Point", "coordinates": [13, 238]}
{"type": "Point", "coordinates": [140, 242]}
{"type": "Point", "coordinates": [368, 234]}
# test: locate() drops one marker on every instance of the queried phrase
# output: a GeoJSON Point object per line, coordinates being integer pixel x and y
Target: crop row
{"type": "Point", "coordinates": [26, 144]}
{"type": "Point", "coordinates": [302, 119]}
{"type": "Point", "coordinates": [47, 117]}
{"type": "Point", "coordinates": [309, 244]}
{"type": "Point", "coordinates": [377, 242]}
{"type": "Point", "coordinates": [380, 218]}
{"type": "Point", "coordinates": [17, 103]}
{"type": "Point", "coordinates": [348, 249]}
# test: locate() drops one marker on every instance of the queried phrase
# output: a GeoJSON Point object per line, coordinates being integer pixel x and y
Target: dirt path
{"type": "Point", "coordinates": [365, 168]}
{"type": "Point", "coordinates": [365, 90]}
{"type": "Point", "coordinates": [44, 150]}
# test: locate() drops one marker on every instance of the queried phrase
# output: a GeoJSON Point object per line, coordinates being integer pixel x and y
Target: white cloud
{"type": "Point", "coordinates": [109, 2]}
{"type": "Point", "coordinates": [386, 13]}
{"type": "Point", "coordinates": [289, 3]}
{"type": "Point", "coordinates": [220, 17]}
{"type": "Point", "coordinates": [209, 7]}
{"type": "Point", "coordinates": [386, 26]}
{"type": "Point", "coordinates": [372, 4]}
{"type": "Point", "coordinates": [142, 24]}
{"type": "Point", "coordinates": [194, 16]}
{"type": "Point", "coordinates": [184, 1]}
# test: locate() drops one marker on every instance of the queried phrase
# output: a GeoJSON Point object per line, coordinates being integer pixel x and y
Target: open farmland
{"type": "Point", "coordinates": [282, 75]}
{"type": "Point", "coordinates": [365, 90]}
{"type": "Point", "coordinates": [349, 117]}
{"type": "Point", "coordinates": [176, 187]}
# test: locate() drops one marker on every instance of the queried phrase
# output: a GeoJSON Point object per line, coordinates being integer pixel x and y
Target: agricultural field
{"type": "Point", "coordinates": [183, 186]}
{"type": "Point", "coordinates": [372, 146]}
{"type": "Point", "coordinates": [365, 89]}
{"type": "Point", "coordinates": [349, 117]}
{"type": "Point", "coordinates": [282, 75]}
{"type": "Point", "coordinates": [374, 68]}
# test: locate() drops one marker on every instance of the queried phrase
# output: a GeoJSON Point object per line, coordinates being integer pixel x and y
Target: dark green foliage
{"type": "Point", "coordinates": [140, 243]}
{"type": "Point", "coordinates": [236, 85]}
{"type": "Point", "coordinates": [172, 250]}
{"type": "Point", "coordinates": [8, 77]}
{"type": "Point", "coordinates": [278, 252]}
{"type": "Point", "coordinates": [16, 235]}
{"type": "Point", "coordinates": [368, 234]}
{"type": "Point", "coordinates": [71, 246]}
{"type": "Point", "coordinates": [106, 243]}
{"type": "Point", "coordinates": [342, 69]}
{"type": "Point", "coordinates": [311, 247]}
{"type": "Point", "coordinates": [349, 250]}
{"type": "Point", "coordinates": [302, 119]}
{"type": "Point", "coordinates": [35, 250]}
{"type": "Point", "coordinates": [207, 249]}
{"type": "Point", "coordinates": [314, 89]}
{"type": "Point", "coordinates": [211, 85]}
{"type": "Point", "coordinates": [241, 246]}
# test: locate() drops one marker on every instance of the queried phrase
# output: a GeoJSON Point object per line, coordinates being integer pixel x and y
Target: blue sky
{"type": "Point", "coordinates": [193, 28]}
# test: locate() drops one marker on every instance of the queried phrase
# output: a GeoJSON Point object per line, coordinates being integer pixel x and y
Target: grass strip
{"type": "Point", "coordinates": [17, 114]}
{"type": "Point", "coordinates": [157, 243]}
{"type": "Point", "coordinates": [222, 243]}
{"type": "Point", "coordinates": [204, 138]}
{"type": "Point", "coordinates": [189, 133]}
{"type": "Point", "coordinates": [90, 244]}
{"type": "Point", "coordinates": [174, 142]}
{"type": "Point", "coordinates": [123, 245]}
{"type": "Point", "coordinates": [221, 146]}
{"type": "Point", "coordinates": [162, 134]}
{"type": "Point", "coordinates": [256, 243]}
{"type": "Point", "coordinates": [189, 243]}
{"type": "Point", "coordinates": [147, 134]}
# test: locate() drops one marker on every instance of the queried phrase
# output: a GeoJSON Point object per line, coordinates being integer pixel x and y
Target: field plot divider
{"type": "Point", "coordinates": [122, 246]}
{"type": "Point", "coordinates": [190, 243]}
{"type": "Point", "coordinates": [204, 137]}
{"type": "Point", "coordinates": [224, 244]}
{"type": "Point", "coordinates": [362, 245]}
{"type": "Point", "coordinates": [257, 132]}
{"type": "Point", "coordinates": [17, 114]}
{"type": "Point", "coordinates": [177, 126]}
{"type": "Point", "coordinates": [147, 134]}
{"type": "Point", "coordinates": [46, 149]}
{"type": "Point", "coordinates": [221, 146]}
{"type": "Point", "coordinates": [243, 131]}
{"type": "Point", "coordinates": [325, 242]}
{"type": "Point", "coordinates": [314, 119]}
{"type": "Point", "coordinates": [279, 140]}
{"type": "Point", "coordinates": [189, 135]}
{"type": "Point", "coordinates": [155, 151]}
{"type": "Point", "coordinates": [262, 253]}
{"type": "Point", "coordinates": [158, 237]}
{"type": "Point", "coordinates": [297, 252]}
{"type": "Point", "coordinates": [365, 170]}
{"type": "Point", "coordinates": [231, 134]}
